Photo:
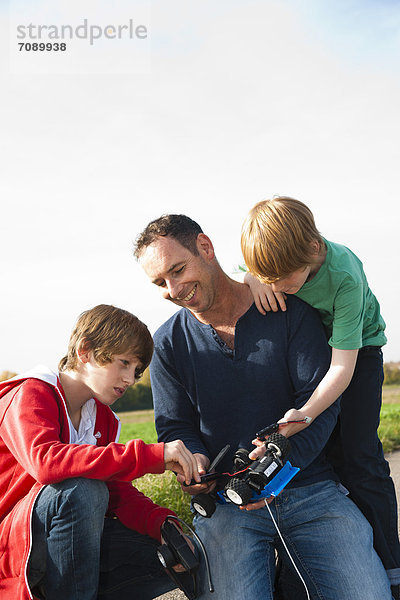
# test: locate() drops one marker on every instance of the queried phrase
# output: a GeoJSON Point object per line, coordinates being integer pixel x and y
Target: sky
{"type": "Point", "coordinates": [219, 105]}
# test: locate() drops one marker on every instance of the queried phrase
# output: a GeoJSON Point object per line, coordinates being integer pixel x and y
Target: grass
{"type": "Point", "coordinates": [144, 430]}
{"type": "Point", "coordinates": [164, 490]}
{"type": "Point", "coordinates": [389, 428]}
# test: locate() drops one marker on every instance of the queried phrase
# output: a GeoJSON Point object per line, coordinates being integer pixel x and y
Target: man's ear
{"type": "Point", "coordinates": [205, 246]}
{"type": "Point", "coordinates": [83, 351]}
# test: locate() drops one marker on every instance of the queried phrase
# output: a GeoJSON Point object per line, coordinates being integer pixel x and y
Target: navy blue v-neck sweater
{"type": "Point", "coordinates": [208, 395]}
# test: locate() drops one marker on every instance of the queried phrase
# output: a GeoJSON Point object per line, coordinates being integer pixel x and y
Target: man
{"type": "Point", "coordinates": [221, 372]}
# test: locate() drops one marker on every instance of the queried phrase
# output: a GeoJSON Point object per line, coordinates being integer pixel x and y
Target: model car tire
{"type": "Point", "coordinates": [241, 459]}
{"type": "Point", "coordinates": [279, 445]}
{"type": "Point", "coordinates": [238, 492]}
{"type": "Point", "coordinates": [165, 556]}
{"type": "Point", "coordinates": [204, 505]}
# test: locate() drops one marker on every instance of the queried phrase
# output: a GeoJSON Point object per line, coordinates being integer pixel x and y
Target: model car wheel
{"type": "Point", "coordinates": [279, 445]}
{"type": "Point", "coordinates": [238, 491]}
{"type": "Point", "coordinates": [241, 459]}
{"type": "Point", "coordinates": [165, 556]}
{"type": "Point", "coordinates": [204, 505]}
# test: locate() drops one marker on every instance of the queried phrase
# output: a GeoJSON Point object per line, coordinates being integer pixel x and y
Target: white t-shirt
{"type": "Point", "coordinates": [85, 434]}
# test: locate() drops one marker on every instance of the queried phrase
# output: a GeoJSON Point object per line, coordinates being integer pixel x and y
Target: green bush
{"type": "Point", "coordinates": [392, 373]}
{"type": "Point", "coordinates": [137, 397]}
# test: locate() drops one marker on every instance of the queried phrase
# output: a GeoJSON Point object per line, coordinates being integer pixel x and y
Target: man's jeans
{"type": "Point", "coordinates": [75, 547]}
{"type": "Point", "coordinates": [356, 454]}
{"type": "Point", "coordinates": [328, 537]}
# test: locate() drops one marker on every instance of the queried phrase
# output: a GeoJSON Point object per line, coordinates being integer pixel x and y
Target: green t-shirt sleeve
{"type": "Point", "coordinates": [348, 311]}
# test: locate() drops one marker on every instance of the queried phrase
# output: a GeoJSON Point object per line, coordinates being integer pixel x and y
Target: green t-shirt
{"type": "Point", "coordinates": [348, 309]}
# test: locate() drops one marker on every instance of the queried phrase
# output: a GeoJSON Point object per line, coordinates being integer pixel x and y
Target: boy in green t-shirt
{"type": "Point", "coordinates": [285, 254]}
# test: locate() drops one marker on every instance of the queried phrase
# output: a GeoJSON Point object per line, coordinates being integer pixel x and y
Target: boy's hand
{"type": "Point", "coordinates": [203, 462]}
{"type": "Point", "coordinates": [292, 428]}
{"type": "Point", "coordinates": [178, 458]}
{"type": "Point", "coordinates": [259, 451]}
{"type": "Point", "coordinates": [265, 299]}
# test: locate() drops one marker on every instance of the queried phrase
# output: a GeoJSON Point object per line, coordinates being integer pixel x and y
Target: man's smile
{"type": "Point", "coordinates": [190, 294]}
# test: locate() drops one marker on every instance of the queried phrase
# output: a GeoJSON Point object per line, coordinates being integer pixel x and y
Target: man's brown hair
{"type": "Point", "coordinates": [106, 331]}
{"type": "Point", "coordinates": [180, 227]}
{"type": "Point", "coordinates": [276, 238]}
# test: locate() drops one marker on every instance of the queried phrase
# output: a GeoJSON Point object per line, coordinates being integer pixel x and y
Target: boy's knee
{"type": "Point", "coordinates": [88, 494]}
{"type": "Point", "coordinates": [90, 491]}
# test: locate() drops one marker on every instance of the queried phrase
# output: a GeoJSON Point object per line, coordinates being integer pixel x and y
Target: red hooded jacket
{"type": "Point", "coordinates": [35, 450]}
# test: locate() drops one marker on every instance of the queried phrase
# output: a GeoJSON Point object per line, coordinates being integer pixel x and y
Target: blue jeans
{"type": "Point", "coordinates": [328, 537]}
{"type": "Point", "coordinates": [356, 454]}
{"type": "Point", "coordinates": [77, 554]}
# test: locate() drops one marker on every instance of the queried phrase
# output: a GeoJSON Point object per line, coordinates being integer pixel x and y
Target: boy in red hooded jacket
{"type": "Point", "coordinates": [62, 471]}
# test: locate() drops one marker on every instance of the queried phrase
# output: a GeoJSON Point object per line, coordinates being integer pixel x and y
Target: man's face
{"type": "Point", "coordinates": [184, 278]}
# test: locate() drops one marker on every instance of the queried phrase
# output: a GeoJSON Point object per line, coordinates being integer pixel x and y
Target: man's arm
{"type": "Point", "coordinates": [174, 413]}
{"type": "Point", "coordinates": [308, 360]}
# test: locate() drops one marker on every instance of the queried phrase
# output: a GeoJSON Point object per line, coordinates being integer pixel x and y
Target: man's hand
{"type": "Point", "coordinates": [265, 299]}
{"type": "Point", "coordinates": [257, 505]}
{"type": "Point", "coordinates": [203, 462]}
{"type": "Point", "coordinates": [178, 458]}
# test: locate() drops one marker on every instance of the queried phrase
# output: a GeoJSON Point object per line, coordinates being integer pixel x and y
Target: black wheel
{"type": "Point", "coordinates": [238, 491]}
{"type": "Point", "coordinates": [279, 445]}
{"type": "Point", "coordinates": [165, 556]}
{"type": "Point", "coordinates": [204, 505]}
{"type": "Point", "coordinates": [241, 459]}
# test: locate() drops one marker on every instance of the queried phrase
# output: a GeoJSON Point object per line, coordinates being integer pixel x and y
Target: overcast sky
{"type": "Point", "coordinates": [222, 104]}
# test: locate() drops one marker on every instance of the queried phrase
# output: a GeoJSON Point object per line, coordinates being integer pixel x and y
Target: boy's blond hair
{"type": "Point", "coordinates": [276, 238]}
{"type": "Point", "coordinates": [107, 331]}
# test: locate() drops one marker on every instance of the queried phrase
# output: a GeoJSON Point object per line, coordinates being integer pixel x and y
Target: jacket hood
{"type": "Point", "coordinates": [39, 372]}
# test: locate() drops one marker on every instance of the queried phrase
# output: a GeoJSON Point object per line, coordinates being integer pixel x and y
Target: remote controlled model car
{"type": "Point", "coordinates": [252, 479]}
